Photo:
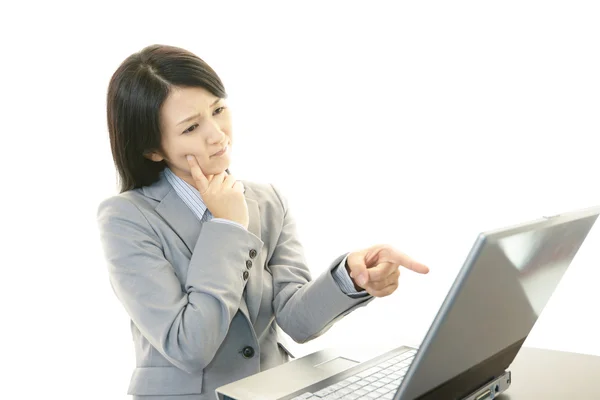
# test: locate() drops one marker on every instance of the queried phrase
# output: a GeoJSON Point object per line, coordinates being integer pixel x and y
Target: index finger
{"type": "Point", "coordinates": [405, 261]}
{"type": "Point", "coordinates": [197, 174]}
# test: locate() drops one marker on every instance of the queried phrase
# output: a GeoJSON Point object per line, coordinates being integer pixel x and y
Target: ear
{"type": "Point", "coordinates": [154, 156]}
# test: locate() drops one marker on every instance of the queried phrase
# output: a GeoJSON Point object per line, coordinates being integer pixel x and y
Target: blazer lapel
{"type": "Point", "coordinates": [186, 225]}
{"type": "Point", "coordinates": [174, 211]}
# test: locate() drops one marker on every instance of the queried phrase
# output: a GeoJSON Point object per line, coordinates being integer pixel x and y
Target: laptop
{"type": "Point", "coordinates": [506, 281]}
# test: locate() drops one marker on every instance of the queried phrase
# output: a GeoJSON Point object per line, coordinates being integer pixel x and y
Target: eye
{"type": "Point", "coordinates": [219, 110]}
{"type": "Point", "coordinates": [191, 128]}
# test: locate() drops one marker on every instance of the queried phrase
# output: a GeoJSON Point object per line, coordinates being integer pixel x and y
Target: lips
{"type": "Point", "coordinates": [221, 152]}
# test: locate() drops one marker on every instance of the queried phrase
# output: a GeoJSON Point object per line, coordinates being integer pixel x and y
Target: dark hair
{"type": "Point", "coordinates": [136, 93]}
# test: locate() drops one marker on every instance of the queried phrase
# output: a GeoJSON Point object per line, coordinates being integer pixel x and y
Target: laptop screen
{"type": "Point", "coordinates": [496, 299]}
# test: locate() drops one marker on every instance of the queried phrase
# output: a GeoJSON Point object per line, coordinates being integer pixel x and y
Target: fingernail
{"type": "Point", "coordinates": [362, 279]}
{"type": "Point", "coordinates": [189, 157]}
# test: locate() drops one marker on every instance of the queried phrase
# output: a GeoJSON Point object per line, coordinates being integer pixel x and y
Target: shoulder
{"type": "Point", "coordinates": [131, 205]}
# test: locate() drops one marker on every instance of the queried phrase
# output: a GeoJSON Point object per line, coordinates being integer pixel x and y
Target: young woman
{"type": "Point", "coordinates": [207, 266]}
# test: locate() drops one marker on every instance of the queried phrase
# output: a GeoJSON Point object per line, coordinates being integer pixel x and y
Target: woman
{"type": "Point", "coordinates": [206, 266]}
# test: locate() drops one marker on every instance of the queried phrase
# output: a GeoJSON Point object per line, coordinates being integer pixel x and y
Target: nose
{"type": "Point", "coordinates": [214, 133]}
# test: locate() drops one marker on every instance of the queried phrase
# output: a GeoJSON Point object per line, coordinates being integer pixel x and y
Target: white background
{"type": "Point", "coordinates": [419, 125]}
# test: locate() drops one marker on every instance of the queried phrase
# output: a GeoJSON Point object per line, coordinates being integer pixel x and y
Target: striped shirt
{"type": "Point", "coordinates": [191, 197]}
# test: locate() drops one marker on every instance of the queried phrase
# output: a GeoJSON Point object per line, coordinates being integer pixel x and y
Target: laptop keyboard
{"type": "Point", "coordinates": [378, 382]}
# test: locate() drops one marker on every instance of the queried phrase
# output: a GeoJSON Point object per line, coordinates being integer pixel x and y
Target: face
{"type": "Point", "coordinates": [195, 122]}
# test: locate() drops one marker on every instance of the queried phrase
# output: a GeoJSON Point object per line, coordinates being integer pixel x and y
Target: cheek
{"type": "Point", "coordinates": [225, 126]}
{"type": "Point", "coordinates": [182, 146]}
{"type": "Point", "coordinates": [193, 146]}
{"type": "Point", "coordinates": [176, 151]}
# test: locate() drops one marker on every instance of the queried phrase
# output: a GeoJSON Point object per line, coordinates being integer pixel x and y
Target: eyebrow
{"type": "Point", "coordinates": [196, 115]}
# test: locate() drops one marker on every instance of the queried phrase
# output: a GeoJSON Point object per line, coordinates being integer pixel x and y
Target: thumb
{"type": "Point", "coordinates": [358, 270]}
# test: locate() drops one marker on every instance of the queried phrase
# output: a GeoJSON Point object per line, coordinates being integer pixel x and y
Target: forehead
{"type": "Point", "coordinates": [183, 102]}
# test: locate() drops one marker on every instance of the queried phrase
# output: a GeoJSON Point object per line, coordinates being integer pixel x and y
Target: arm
{"type": "Point", "coordinates": [185, 326]}
{"type": "Point", "coordinates": [305, 308]}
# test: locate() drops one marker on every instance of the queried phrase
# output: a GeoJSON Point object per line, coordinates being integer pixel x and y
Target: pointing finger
{"type": "Point", "coordinates": [402, 259]}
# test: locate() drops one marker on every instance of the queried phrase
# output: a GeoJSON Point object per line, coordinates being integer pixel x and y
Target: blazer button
{"type": "Point", "coordinates": [246, 275]}
{"type": "Point", "coordinates": [252, 253]}
{"type": "Point", "coordinates": [248, 264]}
{"type": "Point", "coordinates": [248, 352]}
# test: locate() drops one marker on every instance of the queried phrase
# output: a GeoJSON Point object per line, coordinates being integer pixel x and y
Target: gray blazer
{"type": "Point", "coordinates": [205, 298]}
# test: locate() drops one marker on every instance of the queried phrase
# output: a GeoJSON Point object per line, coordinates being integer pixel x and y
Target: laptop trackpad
{"type": "Point", "coordinates": [336, 365]}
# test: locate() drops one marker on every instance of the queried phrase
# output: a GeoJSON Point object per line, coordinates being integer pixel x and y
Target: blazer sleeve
{"type": "Point", "coordinates": [305, 308]}
{"type": "Point", "coordinates": [186, 325]}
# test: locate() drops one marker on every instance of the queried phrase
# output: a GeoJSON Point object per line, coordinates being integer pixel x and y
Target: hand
{"type": "Point", "coordinates": [376, 269]}
{"type": "Point", "coordinates": [222, 194]}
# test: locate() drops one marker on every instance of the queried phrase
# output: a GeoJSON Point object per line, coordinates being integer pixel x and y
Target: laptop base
{"type": "Point", "coordinates": [275, 384]}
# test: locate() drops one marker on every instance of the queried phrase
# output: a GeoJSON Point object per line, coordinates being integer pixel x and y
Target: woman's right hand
{"type": "Point", "coordinates": [221, 193]}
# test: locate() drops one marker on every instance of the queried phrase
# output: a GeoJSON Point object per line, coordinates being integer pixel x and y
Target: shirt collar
{"type": "Point", "coordinates": [188, 193]}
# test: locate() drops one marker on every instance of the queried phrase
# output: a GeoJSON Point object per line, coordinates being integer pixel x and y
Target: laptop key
{"type": "Point", "coordinates": [370, 388]}
{"type": "Point", "coordinates": [303, 396]}
{"type": "Point", "coordinates": [386, 379]}
{"type": "Point", "coordinates": [345, 382]}
{"type": "Point", "coordinates": [323, 392]}
{"type": "Point", "coordinates": [391, 386]}
{"type": "Point", "coordinates": [368, 372]}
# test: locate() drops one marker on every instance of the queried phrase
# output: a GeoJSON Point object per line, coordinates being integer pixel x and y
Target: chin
{"type": "Point", "coordinates": [217, 170]}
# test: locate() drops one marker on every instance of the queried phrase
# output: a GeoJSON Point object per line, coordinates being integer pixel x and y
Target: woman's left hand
{"type": "Point", "coordinates": [376, 269]}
